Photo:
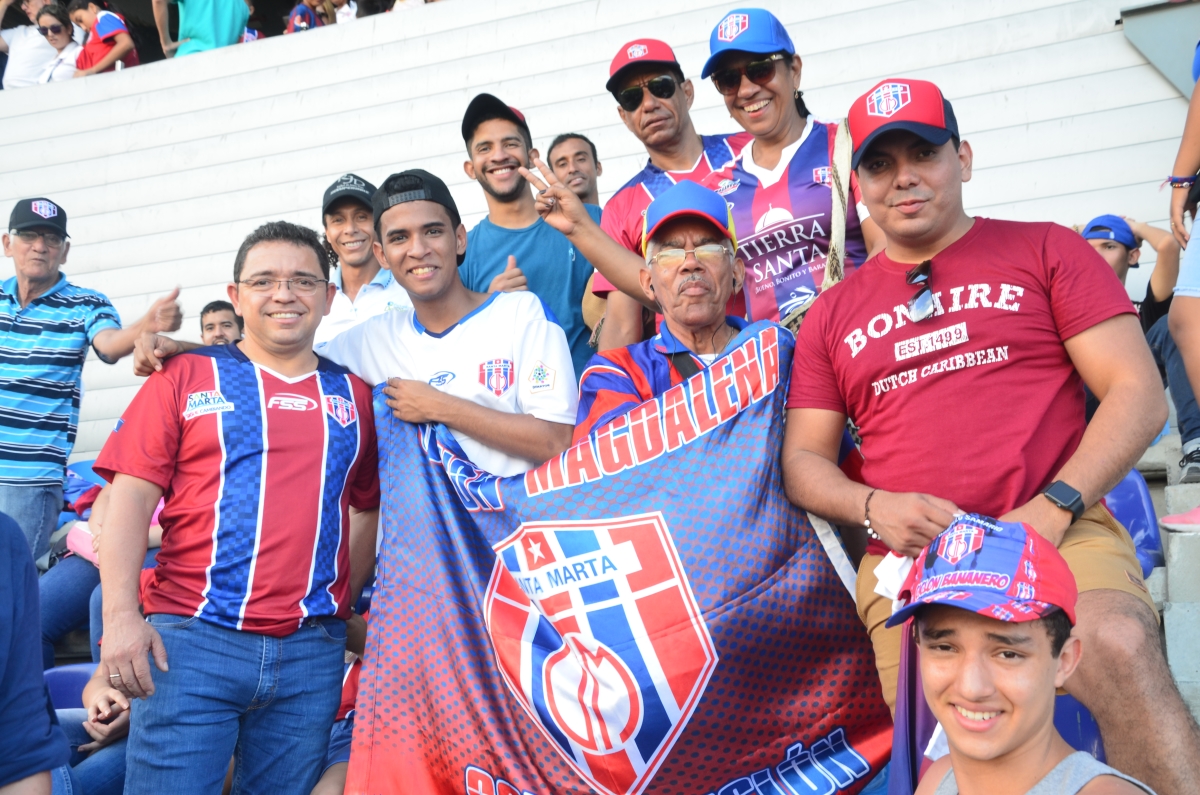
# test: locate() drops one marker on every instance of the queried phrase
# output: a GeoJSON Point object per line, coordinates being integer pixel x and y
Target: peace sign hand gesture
{"type": "Point", "coordinates": [560, 208]}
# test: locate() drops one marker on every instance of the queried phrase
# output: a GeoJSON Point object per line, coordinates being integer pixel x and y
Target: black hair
{"type": "Point", "coordinates": [58, 12]}
{"type": "Point", "coordinates": [568, 136]}
{"type": "Point", "coordinates": [283, 232]}
{"type": "Point", "coordinates": [81, 5]}
{"type": "Point", "coordinates": [522, 127]}
{"type": "Point", "coordinates": [1058, 627]}
{"type": "Point", "coordinates": [221, 306]}
{"type": "Point", "coordinates": [330, 253]}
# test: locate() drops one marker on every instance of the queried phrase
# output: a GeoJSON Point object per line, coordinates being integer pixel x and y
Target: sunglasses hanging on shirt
{"type": "Point", "coordinates": [921, 305]}
{"type": "Point", "coordinates": [631, 98]}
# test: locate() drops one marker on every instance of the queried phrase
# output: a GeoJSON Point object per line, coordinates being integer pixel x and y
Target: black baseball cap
{"type": "Point", "coordinates": [41, 212]}
{"type": "Point", "coordinates": [486, 107]}
{"type": "Point", "coordinates": [413, 185]}
{"type": "Point", "coordinates": [348, 186]}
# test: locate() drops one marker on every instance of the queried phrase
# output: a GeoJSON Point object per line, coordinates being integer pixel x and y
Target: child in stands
{"type": "Point", "coordinates": [994, 605]}
{"type": "Point", "coordinates": [108, 38]}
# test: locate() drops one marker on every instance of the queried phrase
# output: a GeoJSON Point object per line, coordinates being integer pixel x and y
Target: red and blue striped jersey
{"type": "Point", "coordinates": [258, 472]}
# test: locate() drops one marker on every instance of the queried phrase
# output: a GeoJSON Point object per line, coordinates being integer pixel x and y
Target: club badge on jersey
{"type": "Point", "coordinates": [496, 375]}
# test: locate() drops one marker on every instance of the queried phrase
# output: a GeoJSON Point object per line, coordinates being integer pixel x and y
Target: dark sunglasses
{"type": "Point", "coordinates": [728, 81]}
{"type": "Point", "coordinates": [631, 98]}
{"type": "Point", "coordinates": [46, 31]}
{"type": "Point", "coordinates": [921, 306]}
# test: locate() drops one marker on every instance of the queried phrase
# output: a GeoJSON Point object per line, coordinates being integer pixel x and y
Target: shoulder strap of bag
{"type": "Point", "coordinates": [839, 169]}
{"type": "Point", "coordinates": [685, 364]}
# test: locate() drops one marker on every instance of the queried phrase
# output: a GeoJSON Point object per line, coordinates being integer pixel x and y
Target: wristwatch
{"type": "Point", "coordinates": [1066, 498]}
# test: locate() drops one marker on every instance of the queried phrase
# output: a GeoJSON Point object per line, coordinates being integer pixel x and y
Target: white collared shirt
{"type": "Point", "coordinates": [63, 65]}
{"type": "Point", "coordinates": [381, 294]}
{"type": "Point", "coordinates": [29, 54]}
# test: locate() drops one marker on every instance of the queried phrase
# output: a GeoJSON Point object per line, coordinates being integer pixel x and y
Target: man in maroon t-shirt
{"type": "Point", "coordinates": [961, 352]}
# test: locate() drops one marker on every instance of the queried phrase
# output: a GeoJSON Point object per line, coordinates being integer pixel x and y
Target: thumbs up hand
{"type": "Point", "coordinates": [510, 280]}
{"type": "Point", "coordinates": [165, 314]}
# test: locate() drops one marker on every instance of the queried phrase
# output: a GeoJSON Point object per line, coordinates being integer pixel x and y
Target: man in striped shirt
{"type": "Point", "coordinates": [46, 327]}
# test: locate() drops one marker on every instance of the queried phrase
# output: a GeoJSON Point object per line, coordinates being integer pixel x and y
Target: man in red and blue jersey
{"type": "Point", "coordinates": [654, 99]}
{"type": "Point", "coordinates": [265, 454]}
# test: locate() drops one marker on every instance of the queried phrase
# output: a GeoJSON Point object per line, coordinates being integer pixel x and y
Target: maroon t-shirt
{"type": "Point", "coordinates": [979, 404]}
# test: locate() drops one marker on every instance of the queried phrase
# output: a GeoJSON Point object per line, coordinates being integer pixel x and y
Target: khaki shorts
{"type": "Point", "coordinates": [1097, 548]}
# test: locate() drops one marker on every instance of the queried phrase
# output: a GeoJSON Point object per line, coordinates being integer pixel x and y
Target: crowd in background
{"type": "Point", "coordinates": [553, 317]}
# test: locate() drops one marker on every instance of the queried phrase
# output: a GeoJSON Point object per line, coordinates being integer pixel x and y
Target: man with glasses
{"type": "Point", "coordinates": [266, 455]}
{"type": "Point", "coordinates": [28, 51]}
{"type": "Point", "coordinates": [691, 271]}
{"type": "Point", "coordinates": [47, 325]}
{"type": "Point", "coordinates": [653, 101]}
{"type": "Point", "coordinates": [961, 352]}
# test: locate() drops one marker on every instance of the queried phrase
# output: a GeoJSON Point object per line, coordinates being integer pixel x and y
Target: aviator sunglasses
{"type": "Point", "coordinates": [630, 98]}
{"type": "Point", "coordinates": [921, 306]}
{"type": "Point", "coordinates": [47, 30]}
{"type": "Point", "coordinates": [728, 81]}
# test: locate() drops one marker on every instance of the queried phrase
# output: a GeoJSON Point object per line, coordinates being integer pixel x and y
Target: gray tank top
{"type": "Point", "coordinates": [1067, 778]}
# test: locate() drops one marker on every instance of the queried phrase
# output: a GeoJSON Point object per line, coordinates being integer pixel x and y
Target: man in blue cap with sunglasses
{"type": "Point", "coordinates": [691, 271]}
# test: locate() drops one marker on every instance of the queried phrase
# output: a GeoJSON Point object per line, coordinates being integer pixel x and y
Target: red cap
{"type": "Point", "coordinates": [639, 51]}
{"type": "Point", "coordinates": [901, 104]}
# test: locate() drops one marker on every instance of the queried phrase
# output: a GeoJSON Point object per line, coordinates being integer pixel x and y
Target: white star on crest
{"type": "Point", "coordinates": [535, 551]}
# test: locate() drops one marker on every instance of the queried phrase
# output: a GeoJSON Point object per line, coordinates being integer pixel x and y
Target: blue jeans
{"type": "Point", "coordinates": [1168, 357]}
{"type": "Point", "coordinates": [71, 599]}
{"type": "Point", "coordinates": [100, 772]}
{"type": "Point", "coordinates": [35, 509]}
{"type": "Point", "coordinates": [267, 702]}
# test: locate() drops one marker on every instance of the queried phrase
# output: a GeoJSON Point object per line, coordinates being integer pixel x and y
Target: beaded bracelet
{"type": "Point", "coordinates": [1181, 182]}
{"type": "Point", "coordinates": [867, 516]}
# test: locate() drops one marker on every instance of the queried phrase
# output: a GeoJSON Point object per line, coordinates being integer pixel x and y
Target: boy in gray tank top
{"type": "Point", "coordinates": [994, 604]}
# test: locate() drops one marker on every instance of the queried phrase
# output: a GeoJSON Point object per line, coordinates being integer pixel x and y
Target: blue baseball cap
{"type": "Point", "coordinates": [753, 30]}
{"type": "Point", "coordinates": [1110, 227]}
{"type": "Point", "coordinates": [688, 199]}
{"type": "Point", "coordinates": [1001, 570]}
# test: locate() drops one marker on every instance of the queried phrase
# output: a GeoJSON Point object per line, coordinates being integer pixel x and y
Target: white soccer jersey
{"type": "Point", "coordinates": [508, 355]}
{"type": "Point", "coordinates": [381, 294]}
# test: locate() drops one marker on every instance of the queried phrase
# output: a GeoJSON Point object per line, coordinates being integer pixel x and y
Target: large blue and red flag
{"type": "Point", "coordinates": [645, 613]}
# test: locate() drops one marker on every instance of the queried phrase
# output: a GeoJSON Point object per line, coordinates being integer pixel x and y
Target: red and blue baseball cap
{"type": "Point", "coordinates": [1001, 570]}
{"type": "Point", "coordinates": [686, 199]}
{"type": "Point", "coordinates": [901, 104]}
{"type": "Point", "coordinates": [753, 30]}
{"type": "Point", "coordinates": [636, 53]}
{"type": "Point", "coordinates": [1110, 227]}
{"type": "Point", "coordinates": [485, 107]}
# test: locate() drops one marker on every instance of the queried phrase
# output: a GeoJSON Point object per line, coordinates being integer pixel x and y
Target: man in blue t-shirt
{"type": "Point", "coordinates": [514, 249]}
{"type": "Point", "coordinates": [203, 24]}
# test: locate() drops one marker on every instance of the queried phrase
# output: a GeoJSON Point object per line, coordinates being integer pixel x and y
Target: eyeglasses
{"type": "Point", "coordinates": [711, 255]}
{"type": "Point", "coordinates": [728, 81]}
{"type": "Point", "coordinates": [299, 286]}
{"type": "Point", "coordinates": [630, 98]}
{"type": "Point", "coordinates": [921, 305]}
{"type": "Point", "coordinates": [53, 239]}
{"type": "Point", "coordinates": [48, 29]}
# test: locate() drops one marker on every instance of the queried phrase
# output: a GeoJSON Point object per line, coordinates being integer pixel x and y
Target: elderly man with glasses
{"type": "Point", "coordinates": [47, 325]}
{"type": "Point", "coordinates": [29, 53]}
{"type": "Point", "coordinates": [690, 272]}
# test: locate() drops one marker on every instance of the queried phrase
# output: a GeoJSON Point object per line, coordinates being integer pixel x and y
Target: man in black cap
{"type": "Point", "coordinates": [364, 288]}
{"type": "Point", "coordinates": [513, 249]}
{"type": "Point", "coordinates": [46, 327]}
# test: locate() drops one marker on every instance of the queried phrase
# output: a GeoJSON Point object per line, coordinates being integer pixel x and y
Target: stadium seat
{"type": "Point", "coordinates": [66, 683]}
{"type": "Point", "coordinates": [1130, 503]}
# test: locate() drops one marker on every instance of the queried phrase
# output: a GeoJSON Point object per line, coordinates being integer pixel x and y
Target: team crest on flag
{"type": "Point", "coordinates": [598, 636]}
{"type": "Point", "coordinates": [961, 541]}
{"type": "Point", "coordinates": [45, 209]}
{"type": "Point", "coordinates": [733, 26]}
{"type": "Point", "coordinates": [637, 51]}
{"type": "Point", "coordinates": [887, 99]}
{"type": "Point", "coordinates": [496, 375]}
{"type": "Point", "coordinates": [342, 410]}
{"type": "Point", "coordinates": [822, 176]}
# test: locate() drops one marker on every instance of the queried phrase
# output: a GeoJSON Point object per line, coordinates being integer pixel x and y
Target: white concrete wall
{"type": "Point", "coordinates": [164, 169]}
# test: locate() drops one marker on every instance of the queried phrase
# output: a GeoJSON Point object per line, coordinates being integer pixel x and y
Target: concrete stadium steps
{"type": "Point", "coordinates": [163, 169]}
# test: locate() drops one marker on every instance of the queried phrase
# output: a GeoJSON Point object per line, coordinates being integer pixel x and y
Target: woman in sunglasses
{"type": "Point", "coordinates": [55, 25]}
{"type": "Point", "coordinates": [781, 185]}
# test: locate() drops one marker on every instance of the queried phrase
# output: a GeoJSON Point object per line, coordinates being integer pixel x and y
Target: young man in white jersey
{"type": "Point", "coordinates": [494, 368]}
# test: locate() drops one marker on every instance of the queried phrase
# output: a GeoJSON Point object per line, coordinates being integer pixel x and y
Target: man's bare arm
{"type": "Point", "coordinates": [151, 350]}
{"type": "Point", "coordinates": [1114, 361]}
{"type": "Point", "coordinates": [364, 527]}
{"type": "Point", "coordinates": [112, 345]}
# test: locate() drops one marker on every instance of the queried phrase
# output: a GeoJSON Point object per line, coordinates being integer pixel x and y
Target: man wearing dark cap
{"type": "Point", "coordinates": [961, 352]}
{"type": "Point", "coordinates": [513, 249]}
{"type": "Point", "coordinates": [494, 368]}
{"type": "Point", "coordinates": [364, 288]}
{"type": "Point", "coordinates": [654, 101]}
{"type": "Point", "coordinates": [47, 325]}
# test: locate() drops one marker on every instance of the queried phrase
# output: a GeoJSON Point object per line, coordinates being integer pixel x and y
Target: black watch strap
{"type": "Point", "coordinates": [1065, 497]}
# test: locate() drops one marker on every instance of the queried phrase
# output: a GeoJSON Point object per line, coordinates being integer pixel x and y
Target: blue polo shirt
{"type": "Point", "coordinates": [557, 273]}
{"type": "Point", "coordinates": [42, 350]}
